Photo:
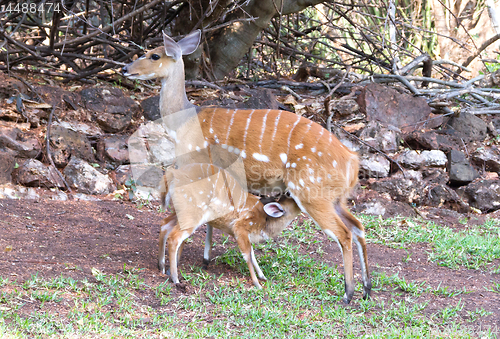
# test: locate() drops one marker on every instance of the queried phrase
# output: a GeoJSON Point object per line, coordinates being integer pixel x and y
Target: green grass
{"type": "Point", "coordinates": [302, 298]}
{"type": "Point", "coordinates": [473, 248]}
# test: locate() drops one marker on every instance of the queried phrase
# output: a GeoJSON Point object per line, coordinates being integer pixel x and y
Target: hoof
{"type": "Point", "coordinates": [181, 287]}
{"type": "Point", "coordinates": [205, 264]}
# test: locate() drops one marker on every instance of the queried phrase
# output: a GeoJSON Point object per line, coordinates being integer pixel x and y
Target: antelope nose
{"type": "Point", "coordinates": [124, 69]}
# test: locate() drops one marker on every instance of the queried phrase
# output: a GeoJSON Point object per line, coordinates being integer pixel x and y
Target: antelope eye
{"type": "Point", "coordinates": [155, 57]}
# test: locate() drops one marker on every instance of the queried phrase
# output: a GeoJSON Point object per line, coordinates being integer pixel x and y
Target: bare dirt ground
{"type": "Point", "coordinates": [48, 238]}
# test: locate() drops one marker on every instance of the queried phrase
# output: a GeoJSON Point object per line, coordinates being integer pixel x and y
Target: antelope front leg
{"type": "Point", "coordinates": [246, 249]}
{"type": "Point", "coordinates": [358, 233]}
{"type": "Point", "coordinates": [256, 265]}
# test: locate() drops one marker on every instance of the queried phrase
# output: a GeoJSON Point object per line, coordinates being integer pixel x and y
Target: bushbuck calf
{"type": "Point", "coordinates": [206, 193]}
{"type": "Point", "coordinates": [280, 151]}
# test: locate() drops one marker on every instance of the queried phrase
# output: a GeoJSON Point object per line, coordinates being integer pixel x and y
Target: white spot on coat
{"type": "Point", "coordinates": [301, 182]}
{"type": "Point", "coordinates": [334, 163]}
{"type": "Point", "coordinates": [260, 157]}
{"type": "Point", "coordinates": [294, 165]}
{"type": "Point", "coordinates": [299, 146]}
{"type": "Point", "coordinates": [283, 157]}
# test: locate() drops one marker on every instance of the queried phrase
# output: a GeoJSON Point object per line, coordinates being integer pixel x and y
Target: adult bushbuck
{"type": "Point", "coordinates": [203, 193]}
{"type": "Point", "coordinates": [280, 151]}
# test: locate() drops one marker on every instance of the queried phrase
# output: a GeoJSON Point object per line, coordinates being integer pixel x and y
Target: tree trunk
{"type": "Point", "coordinates": [227, 46]}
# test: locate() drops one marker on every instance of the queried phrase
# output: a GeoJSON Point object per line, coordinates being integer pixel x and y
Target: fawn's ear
{"type": "Point", "coordinates": [172, 49]}
{"type": "Point", "coordinates": [273, 209]}
{"type": "Point", "coordinates": [190, 43]}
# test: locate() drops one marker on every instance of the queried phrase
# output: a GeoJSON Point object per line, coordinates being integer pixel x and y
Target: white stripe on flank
{"type": "Point", "coordinates": [246, 129]}
{"type": "Point", "coordinates": [229, 127]}
{"type": "Point", "coordinates": [260, 157]}
{"type": "Point", "coordinates": [263, 129]}
{"type": "Point", "coordinates": [290, 134]}
{"type": "Point", "coordinates": [275, 127]}
{"type": "Point", "coordinates": [211, 120]}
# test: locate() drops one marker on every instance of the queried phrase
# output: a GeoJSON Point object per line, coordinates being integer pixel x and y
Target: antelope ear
{"type": "Point", "coordinates": [172, 49]}
{"type": "Point", "coordinates": [190, 43]}
{"type": "Point", "coordinates": [273, 209]}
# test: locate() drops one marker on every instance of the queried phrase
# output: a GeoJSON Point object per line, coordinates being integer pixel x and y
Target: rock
{"type": "Point", "coordinates": [343, 107]}
{"type": "Point", "coordinates": [373, 203]}
{"type": "Point", "coordinates": [10, 87]}
{"type": "Point", "coordinates": [467, 127]}
{"type": "Point", "coordinates": [113, 149]}
{"type": "Point", "coordinates": [385, 139]}
{"type": "Point", "coordinates": [25, 145]}
{"type": "Point", "coordinates": [55, 95]}
{"type": "Point", "coordinates": [122, 174]}
{"type": "Point", "coordinates": [160, 146]}
{"type": "Point", "coordinates": [260, 98]}
{"type": "Point", "coordinates": [374, 166]}
{"type": "Point", "coordinates": [483, 194]}
{"type": "Point", "coordinates": [68, 142]}
{"type": "Point", "coordinates": [34, 173]}
{"type": "Point", "coordinates": [460, 170]}
{"type": "Point", "coordinates": [7, 164]}
{"type": "Point", "coordinates": [112, 109]}
{"type": "Point", "coordinates": [89, 130]}
{"type": "Point", "coordinates": [407, 188]}
{"type": "Point", "coordinates": [440, 195]}
{"type": "Point", "coordinates": [487, 158]}
{"type": "Point", "coordinates": [385, 104]}
{"type": "Point", "coordinates": [151, 108]}
{"type": "Point", "coordinates": [86, 179]}
{"type": "Point", "coordinates": [10, 191]}
{"type": "Point", "coordinates": [415, 160]}
{"type": "Point", "coordinates": [432, 140]}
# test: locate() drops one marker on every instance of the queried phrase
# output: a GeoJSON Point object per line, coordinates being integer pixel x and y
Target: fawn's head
{"type": "Point", "coordinates": [162, 61]}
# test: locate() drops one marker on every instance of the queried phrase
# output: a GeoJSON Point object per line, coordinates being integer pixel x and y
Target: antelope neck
{"type": "Point", "coordinates": [172, 88]}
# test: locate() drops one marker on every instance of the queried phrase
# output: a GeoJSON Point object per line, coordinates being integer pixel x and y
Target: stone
{"type": "Point", "coordinates": [483, 194]}
{"type": "Point", "coordinates": [25, 145]}
{"type": "Point", "coordinates": [460, 170]}
{"type": "Point", "coordinates": [405, 188]}
{"type": "Point", "coordinates": [151, 108]}
{"type": "Point", "coordinates": [487, 158]}
{"type": "Point", "coordinates": [83, 128]}
{"type": "Point", "coordinates": [415, 160]}
{"type": "Point", "coordinates": [34, 173]}
{"type": "Point", "coordinates": [113, 149]}
{"type": "Point", "coordinates": [86, 179]}
{"type": "Point", "coordinates": [343, 107]}
{"type": "Point", "coordinates": [55, 95]}
{"type": "Point", "coordinates": [374, 166]}
{"type": "Point", "coordinates": [7, 164]}
{"type": "Point", "coordinates": [10, 87]}
{"type": "Point", "coordinates": [440, 195]}
{"type": "Point", "coordinates": [385, 139]}
{"type": "Point", "coordinates": [467, 127]}
{"type": "Point", "coordinates": [373, 203]}
{"type": "Point", "coordinates": [10, 191]}
{"type": "Point", "coordinates": [432, 140]}
{"type": "Point", "coordinates": [387, 105]}
{"type": "Point", "coordinates": [260, 98]}
{"type": "Point", "coordinates": [151, 144]}
{"type": "Point", "coordinates": [122, 174]}
{"type": "Point", "coordinates": [112, 109]}
{"type": "Point", "coordinates": [68, 142]}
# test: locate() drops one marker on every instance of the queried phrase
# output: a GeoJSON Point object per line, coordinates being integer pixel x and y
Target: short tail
{"type": "Point", "coordinates": [165, 196]}
{"type": "Point", "coordinates": [352, 169]}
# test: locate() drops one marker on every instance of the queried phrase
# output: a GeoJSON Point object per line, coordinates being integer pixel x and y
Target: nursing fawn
{"type": "Point", "coordinates": [280, 151]}
{"type": "Point", "coordinates": [205, 193]}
